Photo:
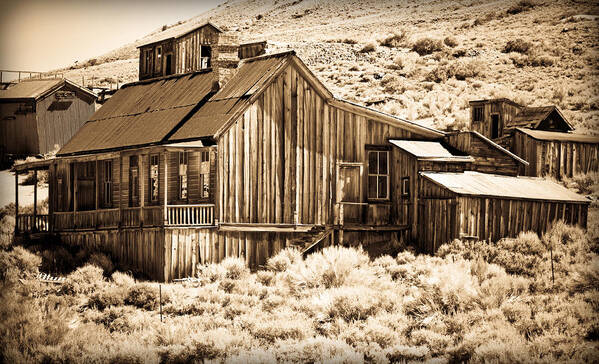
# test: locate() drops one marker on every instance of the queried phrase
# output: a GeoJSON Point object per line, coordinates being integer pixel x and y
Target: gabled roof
{"type": "Point", "coordinates": [183, 107]}
{"type": "Point", "coordinates": [504, 187]}
{"type": "Point", "coordinates": [558, 136]}
{"type": "Point", "coordinates": [495, 146]}
{"type": "Point", "coordinates": [500, 99]}
{"type": "Point", "coordinates": [37, 88]}
{"type": "Point", "coordinates": [534, 116]}
{"type": "Point", "coordinates": [141, 113]}
{"type": "Point", "coordinates": [429, 150]}
{"type": "Point", "coordinates": [177, 32]}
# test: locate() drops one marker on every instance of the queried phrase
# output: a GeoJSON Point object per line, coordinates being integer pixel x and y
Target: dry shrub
{"type": "Point", "coordinates": [122, 279]}
{"type": "Point", "coordinates": [145, 296]}
{"type": "Point", "coordinates": [235, 268]}
{"type": "Point", "coordinates": [103, 261]}
{"type": "Point", "coordinates": [283, 260]}
{"type": "Point", "coordinates": [396, 40]}
{"type": "Point", "coordinates": [367, 48]}
{"type": "Point", "coordinates": [18, 263]}
{"type": "Point", "coordinates": [84, 280]}
{"type": "Point", "coordinates": [426, 46]}
{"type": "Point", "coordinates": [460, 70]}
{"type": "Point", "coordinates": [450, 42]}
{"type": "Point", "coordinates": [517, 45]}
{"type": "Point", "coordinates": [521, 6]}
{"type": "Point", "coordinates": [110, 296]}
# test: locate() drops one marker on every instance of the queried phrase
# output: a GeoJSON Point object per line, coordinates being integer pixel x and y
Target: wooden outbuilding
{"type": "Point", "coordinates": [37, 116]}
{"type": "Point", "coordinates": [555, 153]}
{"type": "Point", "coordinates": [480, 206]}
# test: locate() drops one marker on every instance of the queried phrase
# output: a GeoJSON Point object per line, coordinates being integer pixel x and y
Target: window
{"type": "Point", "coordinates": [405, 186]}
{"type": "Point", "coordinates": [378, 174]}
{"type": "Point", "coordinates": [154, 181]}
{"type": "Point", "coordinates": [205, 54]}
{"type": "Point", "coordinates": [148, 61]}
{"type": "Point", "coordinates": [183, 160]}
{"type": "Point", "coordinates": [107, 184]}
{"type": "Point", "coordinates": [133, 181]}
{"type": "Point", "coordinates": [478, 113]}
{"type": "Point", "coordinates": [158, 59]}
{"type": "Point", "coordinates": [205, 174]}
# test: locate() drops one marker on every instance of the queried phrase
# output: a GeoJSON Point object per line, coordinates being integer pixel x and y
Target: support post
{"type": "Point", "coordinates": [97, 197]}
{"type": "Point", "coordinates": [16, 202]}
{"type": "Point", "coordinates": [165, 193]}
{"type": "Point", "coordinates": [34, 227]}
{"type": "Point", "coordinates": [141, 188]}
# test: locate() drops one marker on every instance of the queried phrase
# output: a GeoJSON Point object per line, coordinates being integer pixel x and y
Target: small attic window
{"type": "Point", "coordinates": [205, 55]}
{"type": "Point", "coordinates": [478, 113]}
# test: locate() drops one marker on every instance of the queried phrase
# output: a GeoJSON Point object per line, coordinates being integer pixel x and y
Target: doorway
{"type": "Point", "coordinates": [167, 65]}
{"type": "Point", "coordinates": [494, 126]}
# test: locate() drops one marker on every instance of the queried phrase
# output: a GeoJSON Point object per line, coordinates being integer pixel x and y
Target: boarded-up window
{"type": "Point", "coordinates": [133, 181]}
{"type": "Point", "coordinates": [183, 162]}
{"type": "Point", "coordinates": [148, 61]}
{"type": "Point", "coordinates": [378, 174]}
{"type": "Point", "coordinates": [107, 184]}
{"type": "Point", "coordinates": [478, 113]}
{"type": "Point", "coordinates": [154, 181]}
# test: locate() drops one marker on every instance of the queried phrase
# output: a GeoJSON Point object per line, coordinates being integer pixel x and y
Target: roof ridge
{"type": "Point", "coordinates": [167, 77]}
{"type": "Point", "coordinates": [267, 56]}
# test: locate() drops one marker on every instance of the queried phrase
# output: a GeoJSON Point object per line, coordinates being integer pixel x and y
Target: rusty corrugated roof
{"type": "Point", "coordinates": [141, 113]}
{"type": "Point", "coordinates": [492, 185]}
{"type": "Point", "coordinates": [252, 76]}
{"type": "Point", "coordinates": [559, 136]}
{"type": "Point", "coordinates": [176, 32]}
{"type": "Point", "coordinates": [34, 89]}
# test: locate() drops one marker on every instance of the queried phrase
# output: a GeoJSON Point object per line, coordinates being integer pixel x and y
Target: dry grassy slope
{"type": "Point", "coordinates": [399, 81]}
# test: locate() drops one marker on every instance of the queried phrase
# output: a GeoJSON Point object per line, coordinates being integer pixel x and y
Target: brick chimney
{"type": "Point", "coordinates": [225, 59]}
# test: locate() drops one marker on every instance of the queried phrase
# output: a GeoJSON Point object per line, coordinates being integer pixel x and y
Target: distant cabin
{"type": "Point", "coordinates": [173, 172]}
{"type": "Point", "coordinates": [179, 51]}
{"type": "Point", "coordinates": [37, 116]}
{"type": "Point", "coordinates": [542, 136]}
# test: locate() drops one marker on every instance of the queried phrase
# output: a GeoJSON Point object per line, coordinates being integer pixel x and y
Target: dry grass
{"type": "Point", "coordinates": [475, 302]}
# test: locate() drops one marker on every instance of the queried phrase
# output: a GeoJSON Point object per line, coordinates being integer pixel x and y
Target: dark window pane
{"type": "Point", "coordinates": [383, 162]}
{"type": "Point", "coordinates": [372, 187]}
{"type": "Point", "coordinates": [382, 187]}
{"type": "Point", "coordinates": [372, 163]}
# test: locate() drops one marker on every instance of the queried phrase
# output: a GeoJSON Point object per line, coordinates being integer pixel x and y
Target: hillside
{"type": "Point", "coordinates": [552, 55]}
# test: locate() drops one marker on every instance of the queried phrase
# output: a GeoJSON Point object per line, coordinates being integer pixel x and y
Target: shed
{"type": "Point", "coordinates": [490, 207]}
{"type": "Point", "coordinates": [556, 154]}
{"type": "Point", "coordinates": [38, 115]}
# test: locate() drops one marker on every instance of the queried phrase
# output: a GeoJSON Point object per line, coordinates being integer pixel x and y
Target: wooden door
{"type": "Point", "coordinates": [349, 193]}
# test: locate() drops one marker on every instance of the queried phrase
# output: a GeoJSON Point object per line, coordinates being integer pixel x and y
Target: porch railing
{"type": "Point", "coordinates": [190, 215]}
{"type": "Point", "coordinates": [30, 223]}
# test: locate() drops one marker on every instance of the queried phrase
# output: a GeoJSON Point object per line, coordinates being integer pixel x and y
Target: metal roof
{"type": "Point", "coordinates": [253, 75]}
{"type": "Point", "coordinates": [428, 150]}
{"type": "Point", "coordinates": [533, 116]}
{"type": "Point", "coordinates": [559, 136]}
{"type": "Point", "coordinates": [496, 146]}
{"type": "Point", "coordinates": [500, 99]}
{"type": "Point", "coordinates": [492, 185]}
{"type": "Point", "coordinates": [141, 113]}
{"type": "Point", "coordinates": [176, 32]}
{"type": "Point", "coordinates": [35, 89]}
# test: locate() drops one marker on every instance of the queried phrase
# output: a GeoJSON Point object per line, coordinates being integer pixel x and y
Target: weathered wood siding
{"type": "Point", "coordinates": [187, 51]}
{"type": "Point", "coordinates": [487, 158]}
{"type": "Point", "coordinates": [279, 160]}
{"type": "Point", "coordinates": [555, 158]}
{"type": "Point", "coordinates": [55, 126]}
{"type": "Point", "coordinates": [446, 216]}
{"type": "Point", "coordinates": [505, 110]}
{"type": "Point", "coordinates": [18, 131]}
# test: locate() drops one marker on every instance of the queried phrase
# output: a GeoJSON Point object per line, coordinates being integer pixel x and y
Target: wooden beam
{"type": "Point", "coordinates": [265, 227]}
{"type": "Point", "coordinates": [16, 202]}
{"type": "Point", "coordinates": [165, 193]}
{"type": "Point", "coordinates": [141, 180]}
{"type": "Point", "coordinates": [34, 198]}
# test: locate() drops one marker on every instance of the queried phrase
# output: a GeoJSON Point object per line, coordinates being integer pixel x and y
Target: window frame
{"type": "Point", "coordinates": [134, 186]}
{"type": "Point", "coordinates": [405, 186]}
{"type": "Point", "coordinates": [107, 183]}
{"type": "Point", "coordinates": [379, 150]}
{"type": "Point", "coordinates": [158, 59]}
{"type": "Point", "coordinates": [151, 199]}
{"type": "Point", "coordinates": [183, 158]}
{"type": "Point", "coordinates": [478, 110]}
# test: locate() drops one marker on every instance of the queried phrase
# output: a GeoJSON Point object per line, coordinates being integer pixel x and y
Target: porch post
{"type": "Point", "coordinates": [16, 202]}
{"type": "Point", "coordinates": [34, 227]}
{"type": "Point", "coordinates": [97, 194]}
{"type": "Point", "coordinates": [165, 193]}
{"type": "Point", "coordinates": [74, 194]}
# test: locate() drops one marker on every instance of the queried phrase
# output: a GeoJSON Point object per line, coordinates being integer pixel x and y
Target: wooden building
{"type": "Point", "coordinates": [555, 153]}
{"type": "Point", "coordinates": [173, 172]}
{"type": "Point", "coordinates": [176, 51]}
{"type": "Point", "coordinates": [481, 206]}
{"type": "Point", "coordinates": [37, 116]}
{"type": "Point", "coordinates": [542, 136]}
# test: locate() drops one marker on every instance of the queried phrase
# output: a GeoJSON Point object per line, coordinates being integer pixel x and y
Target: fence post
{"type": "Point", "coordinates": [160, 294]}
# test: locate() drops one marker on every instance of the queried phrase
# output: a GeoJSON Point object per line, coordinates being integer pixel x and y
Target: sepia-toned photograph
{"type": "Point", "coordinates": [299, 181]}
